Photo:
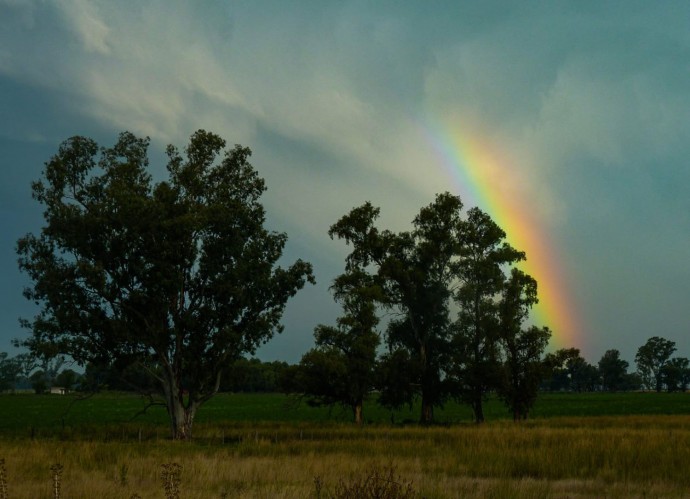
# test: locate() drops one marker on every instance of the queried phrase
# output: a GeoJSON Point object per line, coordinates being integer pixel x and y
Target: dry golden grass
{"type": "Point", "coordinates": [585, 457]}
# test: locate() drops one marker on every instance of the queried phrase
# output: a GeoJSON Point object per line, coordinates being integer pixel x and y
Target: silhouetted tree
{"type": "Point", "coordinates": [483, 256]}
{"type": "Point", "coordinates": [613, 371]}
{"type": "Point", "coordinates": [522, 368]}
{"type": "Point", "coordinates": [651, 358]}
{"type": "Point", "coordinates": [557, 368]}
{"type": "Point", "coordinates": [38, 381]}
{"type": "Point", "coordinates": [584, 377]}
{"type": "Point", "coordinates": [67, 379]}
{"type": "Point", "coordinates": [397, 375]}
{"type": "Point", "coordinates": [414, 271]}
{"type": "Point", "coordinates": [676, 374]}
{"type": "Point", "coordinates": [10, 369]}
{"type": "Point", "coordinates": [444, 260]}
{"type": "Point", "coordinates": [178, 276]}
{"type": "Point", "coordinates": [253, 375]}
{"type": "Point", "coordinates": [341, 367]}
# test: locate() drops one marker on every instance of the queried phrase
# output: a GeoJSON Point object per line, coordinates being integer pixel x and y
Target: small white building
{"type": "Point", "coordinates": [58, 390]}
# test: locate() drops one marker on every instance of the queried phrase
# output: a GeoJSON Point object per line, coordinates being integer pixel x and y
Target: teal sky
{"type": "Point", "coordinates": [589, 100]}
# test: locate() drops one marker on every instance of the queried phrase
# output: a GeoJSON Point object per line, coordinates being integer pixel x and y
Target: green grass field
{"type": "Point", "coordinates": [20, 413]}
{"type": "Point", "coordinates": [264, 446]}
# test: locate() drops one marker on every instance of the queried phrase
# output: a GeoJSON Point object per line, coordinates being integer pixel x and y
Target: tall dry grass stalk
{"type": "Point", "coordinates": [588, 457]}
{"type": "Point", "coordinates": [56, 470]}
{"type": "Point", "coordinates": [171, 476]}
{"type": "Point", "coordinates": [3, 480]}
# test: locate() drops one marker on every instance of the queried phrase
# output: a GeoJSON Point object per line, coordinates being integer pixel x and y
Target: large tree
{"type": "Point", "coordinates": [484, 256]}
{"type": "Point", "coordinates": [447, 262]}
{"type": "Point", "coordinates": [179, 276]}
{"type": "Point", "coordinates": [522, 369]}
{"type": "Point", "coordinates": [651, 359]}
{"type": "Point", "coordinates": [415, 272]}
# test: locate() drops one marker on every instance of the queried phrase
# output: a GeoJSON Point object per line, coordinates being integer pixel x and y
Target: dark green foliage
{"type": "Point", "coordinates": [447, 263]}
{"type": "Point", "coordinates": [522, 369]}
{"type": "Point", "coordinates": [39, 381]}
{"type": "Point", "coordinates": [397, 374]}
{"type": "Point", "coordinates": [676, 374]}
{"type": "Point", "coordinates": [484, 254]}
{"type": "Point", "coordinates": [341, 367]}
{"type": "Point", "coordinates": [15, 371]}
{"type": "Point", "coordinates": [651, 359]}
{"type": "Point", "coordinates": [252, 375]}
{"type": "Point", "coordinates": [613, 371]}
{"type": "Point", "coordinates": [414, 271]}
{"type": "Point", "coordinates": [9, 371]}
{"type": "Point", "coordinates": [584, 377]}
{"type": "Point", "coordinates": [67, 379]}
{"type": "Point", "coordinates": [179, 277]}
{"type": "Point", "coordinates": [567, 370]}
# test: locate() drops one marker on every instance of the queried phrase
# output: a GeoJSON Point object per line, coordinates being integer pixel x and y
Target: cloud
{"type": "Point", "coordinates": [86, 24]}
{"type": "Point", "coordinates": [586, 103]}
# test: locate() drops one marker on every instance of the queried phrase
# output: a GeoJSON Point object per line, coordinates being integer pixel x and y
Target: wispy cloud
{"type": "Point", "coordinates": [587, 101]}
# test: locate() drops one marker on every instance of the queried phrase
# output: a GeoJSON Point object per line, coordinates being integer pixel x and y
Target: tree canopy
{"type": "Point", "coordinates": [341, 367]}
{"type": "Point", "coordinates": [441, 281]}
{"type": "Point", "coordinates": [179, 276]}
{"type": "Point", "coordinates": [651, 359]}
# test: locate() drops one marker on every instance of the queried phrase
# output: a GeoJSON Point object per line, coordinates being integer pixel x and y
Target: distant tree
{"type": "Point", "coordinates": [253, 375]}
{"type": "Point", "coordinates": [10, 369]}
{"type": "Point", "coordinates": [613, 371]}
{"type": "Point", "coordinates": [39, 382]}
{"type": "Point", "coordinates": [522, 369]}
{"type": "Point", "coordinates": [341, 367]}
{"type": "Point", "coordinates": [397, 374]}
{"type": "Point", "coordinates": [118, 375]}
{"type": "Point", "coordinates": [557, 368]}
{"type": "Point", "coordinates": [51, 366]}
{"type": "Point", "coordinates": [584, 377]}
{"type": "Point", "coordinates": [651, 358]}
{"type": "Point", "coordinates": [67, 379]}
{"type": "Point", "coordinates": [632, 382]}
{"type": "Point", "coordinates": [676, 374]}
{"type": "Point", "coordinates": [179, 277]}
{"type": "Point", "coordinates": [26, 363]}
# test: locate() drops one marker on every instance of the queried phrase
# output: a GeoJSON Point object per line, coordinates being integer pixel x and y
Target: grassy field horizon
{"type": "Point", "coordinates": [254, 446]}
{"type": "Point", "coordinates": [22, 411]}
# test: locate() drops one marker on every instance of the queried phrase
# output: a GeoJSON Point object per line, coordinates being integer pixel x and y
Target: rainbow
{"type": "Point", "coordinates": [480, 172]}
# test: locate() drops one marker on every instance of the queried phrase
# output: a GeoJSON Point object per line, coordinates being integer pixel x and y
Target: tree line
{"type": "Point", "coordinates": [172, 283]}
{"type": "Point", "coordinates": [564, 370]}
{"type": "Point", "coordinates": [457, 308]}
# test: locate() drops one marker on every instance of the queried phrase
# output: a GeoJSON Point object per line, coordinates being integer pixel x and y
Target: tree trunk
{"type": "Point", "coordinates": [181, 414]}
{"type": "Point", "coordinates": [182, 419]}
{"type": "Point", "coordinates": [357, 410]}
{"type": "Point", "coordinates": [427, 411]}
{"type": "Point", "coordinates": [427, 415]}
{"type": "Point", "coordinates": [478, 410]}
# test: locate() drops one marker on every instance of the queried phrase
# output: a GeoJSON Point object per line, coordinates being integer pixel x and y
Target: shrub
{"type": "Point", "coordinates": [376, 484]}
